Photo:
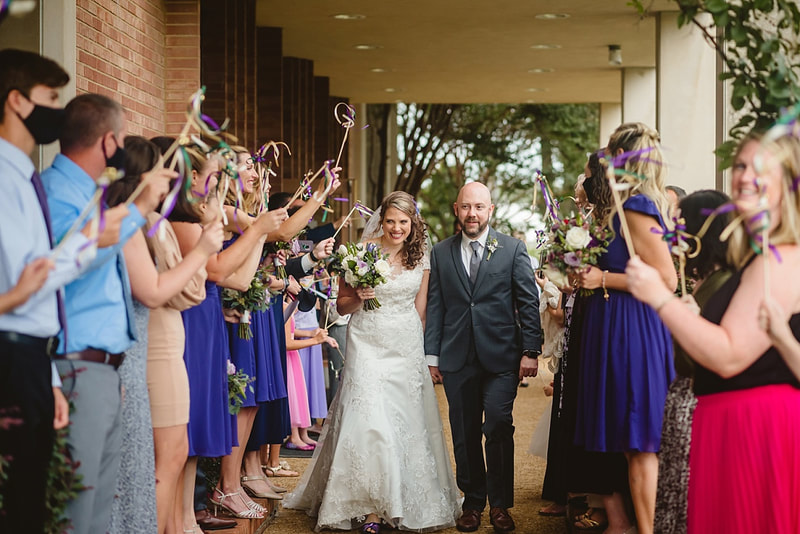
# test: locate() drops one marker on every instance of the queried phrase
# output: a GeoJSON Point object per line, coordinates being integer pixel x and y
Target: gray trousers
{"type": "Point", "coordinates": [95, 439]}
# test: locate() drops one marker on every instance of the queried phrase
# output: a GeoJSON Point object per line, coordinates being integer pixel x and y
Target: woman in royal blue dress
{"type": "Point", "coordinates": [626, 360]}
{"type": "Point", "coordinates": [211, 432]}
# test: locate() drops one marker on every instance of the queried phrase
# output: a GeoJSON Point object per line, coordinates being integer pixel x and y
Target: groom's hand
{"type": "Point", "coordinates": [436, 376]}
{"type": "Point", "coordinates": [528, 367]}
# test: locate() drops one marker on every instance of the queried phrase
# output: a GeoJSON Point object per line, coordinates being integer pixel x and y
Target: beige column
{"type": "Point", "coordinates": [687, 103]}
{"type": "Point", "coordinates": [58, 22]}
{"type": "Point", "coordinates": [357, 154]}
{"type": "Point", "coordinates": [639, 95]}
{"type": "Point", "coordinates": [610, 118]}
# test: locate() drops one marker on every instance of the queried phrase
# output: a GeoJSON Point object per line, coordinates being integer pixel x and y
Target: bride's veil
{"type": "Point", "coordinates": [373, 229]}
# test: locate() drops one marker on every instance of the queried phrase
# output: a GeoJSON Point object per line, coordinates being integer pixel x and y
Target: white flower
{"type": "Point", "coordinates": [578, 238]}
{"type": "Point", "coordinates": [350, 279]}
{"type": "Point", "coordinates": [362, 269]}
{"type": "Point", "coordinates": [383, 267]}
{"type": "Point", "coordinates": [361, 254]}
{"type": "Point", "coordinates": [231, 368]}
{"type": "Point", "coordinates": [342, 250]}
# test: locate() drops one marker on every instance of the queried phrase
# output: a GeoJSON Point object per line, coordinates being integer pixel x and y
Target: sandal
{"type": "Point", "coordinates": [272, 494]}
{"type": "Point", "coordinates": [249, 513]}
{"type": "Point", "coordinates": [585, 521]}
{"type": "Point", "coordinates": [371, 528]}
{"type": "Point", "coordinates": [279, 471]}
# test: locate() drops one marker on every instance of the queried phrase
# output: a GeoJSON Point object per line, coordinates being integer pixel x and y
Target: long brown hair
{"type": "Point", "coordinates": [414, 246]}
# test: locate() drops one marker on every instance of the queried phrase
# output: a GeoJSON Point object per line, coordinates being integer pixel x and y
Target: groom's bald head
{"type": "Point", "coordinates": [473, 208]}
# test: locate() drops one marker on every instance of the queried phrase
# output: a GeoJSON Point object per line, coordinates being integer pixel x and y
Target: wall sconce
{"type": "Point", "coordinates": [614, 55]}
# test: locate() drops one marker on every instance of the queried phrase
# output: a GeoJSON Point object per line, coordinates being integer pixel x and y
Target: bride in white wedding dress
{"type": "Point", "coordinates": [382, 454]}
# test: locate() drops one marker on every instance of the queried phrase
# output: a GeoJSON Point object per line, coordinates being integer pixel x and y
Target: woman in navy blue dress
{"type": "Point", "coordinates": [211, 429]}
{"type": "Point", "coordinates": [626, 360]}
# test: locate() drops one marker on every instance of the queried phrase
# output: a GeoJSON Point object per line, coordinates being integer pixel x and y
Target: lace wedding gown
{"type": "Point", "coordinates": [382, 449]}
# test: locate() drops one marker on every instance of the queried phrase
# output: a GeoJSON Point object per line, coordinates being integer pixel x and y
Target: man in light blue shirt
{"type": "Point", "coordinates": [30, 302]}
{"type": "Point", "coordinates": [98, 304]}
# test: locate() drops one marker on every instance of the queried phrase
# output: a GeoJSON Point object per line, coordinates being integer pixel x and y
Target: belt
{"type": "Point", "coordinates": [94, 355]}
{"type": "Point", "coordinates": [48, 345]}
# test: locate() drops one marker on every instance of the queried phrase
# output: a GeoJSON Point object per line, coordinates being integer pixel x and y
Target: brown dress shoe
{"type": "Point", "coordinates": [501, 520]}
{"type": "Point", "coordinates": [210, 522]}
{"type": "Point", "coordinates": [469, 521]}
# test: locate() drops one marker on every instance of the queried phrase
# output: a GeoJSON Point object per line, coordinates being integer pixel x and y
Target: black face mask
{"type": "Point", "coordinates": [589, 189]}
{"type": "Point", "coordinates": [117, 159]}
{"type": "Point", "coordinates": [44, 123]}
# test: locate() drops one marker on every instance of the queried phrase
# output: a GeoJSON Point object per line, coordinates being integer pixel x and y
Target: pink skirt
{"type": "Point", "coordinates": [744, 465]}
{"type": "Point", "coordinates": [296, 389]}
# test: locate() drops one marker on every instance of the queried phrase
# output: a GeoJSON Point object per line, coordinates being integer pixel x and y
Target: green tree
{"type": "Point", "coordinates": [503, 146]}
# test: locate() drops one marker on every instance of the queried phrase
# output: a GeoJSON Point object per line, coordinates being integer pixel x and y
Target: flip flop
{"type": "Point", "coordinates": [306, 447]}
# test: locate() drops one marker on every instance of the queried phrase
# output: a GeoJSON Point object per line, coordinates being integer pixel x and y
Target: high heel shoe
{"type": "Point", "coordinates": [244, 514]}
{"type": "Point", "coordinates": [271, 494]}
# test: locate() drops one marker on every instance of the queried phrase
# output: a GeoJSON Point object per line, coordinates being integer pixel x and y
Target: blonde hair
{"type": "Point", "coordinates": [253, 203]}
{"type": "Point", "coordinates": [645, 171]}
{"type": "Point", "coordinates": [786, 150]}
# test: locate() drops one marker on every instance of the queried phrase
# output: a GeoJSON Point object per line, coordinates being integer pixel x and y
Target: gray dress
{"type": "Point", "coordinates": [134, 507]}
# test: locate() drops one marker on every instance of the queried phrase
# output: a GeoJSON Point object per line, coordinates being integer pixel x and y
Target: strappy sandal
{"type": "Point", "coordinates": [585, 521]}
{"type": "Point", "coordinates": [271, 494]}
{"type": "Point", "coordinates": [244, 514]}
{"type": "Point", "coordinates": [279, 471]}
{"type": "Point", "coordinates": [371, 528]}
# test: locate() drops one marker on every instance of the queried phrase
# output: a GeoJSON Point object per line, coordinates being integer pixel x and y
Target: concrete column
{"type": "Point", "coordinates": [639, 95]}
{"type": "Point", "coordinates": [687, 103]}
{"type": "Point", "coordinates": [57, 41]}
{"type": "Point", "coordinates": [610, 118]}
{"type": "Point", "coordinates": [357, 170]}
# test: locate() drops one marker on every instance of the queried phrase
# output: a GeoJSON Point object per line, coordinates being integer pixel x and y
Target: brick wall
{"type": "Point", "coordinates": [183, 60]}
{"type": "Point", "coordinates": [121, 53]}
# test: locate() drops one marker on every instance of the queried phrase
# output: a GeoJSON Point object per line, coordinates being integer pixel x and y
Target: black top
{"type": "Point", "coordinates": [766, 370]}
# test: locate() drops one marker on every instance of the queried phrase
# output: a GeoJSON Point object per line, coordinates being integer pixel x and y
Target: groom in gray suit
{"type": "Point", "coordinates": [482, 336]}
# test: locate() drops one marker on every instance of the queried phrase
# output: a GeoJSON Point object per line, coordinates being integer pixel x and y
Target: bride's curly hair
{"type": "Point", "coordinates": [414, 247]}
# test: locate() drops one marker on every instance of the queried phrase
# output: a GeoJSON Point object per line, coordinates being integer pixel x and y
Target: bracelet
{"type": "Point", "coordinates": [313, 258]}
{"type": "Point", "coordinates": [605, 291]}
{"type": "Point", "coordinates": [664, 303]}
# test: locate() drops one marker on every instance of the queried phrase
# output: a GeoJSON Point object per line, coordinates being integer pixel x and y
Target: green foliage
{"type": "Point", "coordinates": [63, 484]}
{"type": "Point", "coordinates": [760, 45]}
{"type": "Point", "coordinates": [503, 145]}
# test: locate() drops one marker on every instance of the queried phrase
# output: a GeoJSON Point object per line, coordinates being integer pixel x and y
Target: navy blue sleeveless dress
{"type": "Point", "coordinates": [626, 360]}
{"type": "Point", "coordinates": [212, 429]}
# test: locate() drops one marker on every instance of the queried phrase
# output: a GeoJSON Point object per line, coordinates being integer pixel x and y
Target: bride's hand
{"type": "Point", "coordinates": [365, 293]}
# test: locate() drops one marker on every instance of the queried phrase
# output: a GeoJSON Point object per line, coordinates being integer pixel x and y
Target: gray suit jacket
{"type": "Point", "coordinates": [500, 314]}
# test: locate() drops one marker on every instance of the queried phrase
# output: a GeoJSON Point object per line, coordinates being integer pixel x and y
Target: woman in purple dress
{"type": "Point", "coordinates": [626, 359]}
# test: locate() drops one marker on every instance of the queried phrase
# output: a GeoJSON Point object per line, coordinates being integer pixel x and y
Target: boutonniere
{"type": "Point", "coordinates": [491, 246]}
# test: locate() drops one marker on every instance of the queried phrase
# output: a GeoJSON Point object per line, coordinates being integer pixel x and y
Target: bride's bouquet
{"type": "Point", "coordinates": [361, 265]}
{"type": "Point", "coordinates": [574, 244]}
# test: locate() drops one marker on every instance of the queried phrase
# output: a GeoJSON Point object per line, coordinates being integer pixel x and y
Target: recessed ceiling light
{"type": "Point", "coordinates": [349, 16]}
{"type": "Point", "coordinates": [366, 47]}
{"type": "Point", "coordinates": [540, 71]}
{"type": "Point", "coordinates": [545, 46]}
{"type": "Point", "coordinates": [377, 69]}
{"type": "Point", "coordinates": [529, 101]}
{"type": "Point", "coordinates": [552, 16]}
{"type": "Point", "coordinates": [536, 90]}
{"type": "Point", "coordinates": [391, 89]}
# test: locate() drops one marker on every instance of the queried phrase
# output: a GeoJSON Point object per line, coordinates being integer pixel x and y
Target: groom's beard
{"type": "Point", "coordinates": [478, 232]}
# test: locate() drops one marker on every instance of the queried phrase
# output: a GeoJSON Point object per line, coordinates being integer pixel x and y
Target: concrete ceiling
{"type": "Point", "coordinates": [466, 51]}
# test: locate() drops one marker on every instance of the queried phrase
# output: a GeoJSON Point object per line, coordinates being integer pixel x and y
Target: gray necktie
{"type": "Point", "coordinates": [474, 261]}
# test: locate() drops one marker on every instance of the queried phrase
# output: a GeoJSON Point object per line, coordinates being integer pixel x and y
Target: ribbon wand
{"type": "Point", "coordinates": [623, 221]}
{"type": "Point", "coordinates": [348, 122]}
{"type": "Point", "coordinates": [347, 218]}
{"type": "Point", "coordinates": [763, 204]}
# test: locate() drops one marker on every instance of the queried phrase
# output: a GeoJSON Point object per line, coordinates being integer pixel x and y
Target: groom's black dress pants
{"type": "Point", "coordinates": [481, 404]}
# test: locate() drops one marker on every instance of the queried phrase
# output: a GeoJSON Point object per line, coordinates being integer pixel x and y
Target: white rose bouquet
{"type": "Point", "coordinates": [361, 265]}
{"type": "Point", "coordinates": [574, 243]}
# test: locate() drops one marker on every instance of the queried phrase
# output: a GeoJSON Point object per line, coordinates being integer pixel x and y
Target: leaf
{"type": "Point", "coordinates": [716, 6]}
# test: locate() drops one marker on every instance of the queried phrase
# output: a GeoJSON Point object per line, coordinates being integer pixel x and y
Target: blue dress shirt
{"type": "Point", "coordinates": [99, 303]}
